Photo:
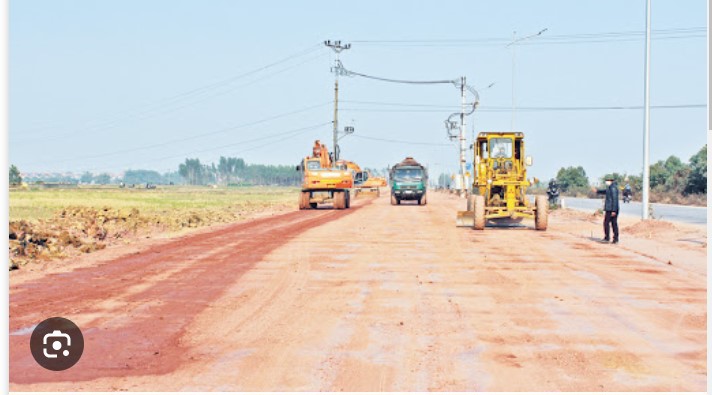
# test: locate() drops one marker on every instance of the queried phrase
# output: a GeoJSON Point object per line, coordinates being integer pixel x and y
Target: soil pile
{"type": "Point", "coordinates": [650, 228]}
{"type": "Point", "coordinates": [76, 230]}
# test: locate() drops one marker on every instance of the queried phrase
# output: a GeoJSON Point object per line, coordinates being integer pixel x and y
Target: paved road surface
{"type": "Point", "coordinates": [376, 298]}
{"type": "Point", "coordinates": [667, 212]}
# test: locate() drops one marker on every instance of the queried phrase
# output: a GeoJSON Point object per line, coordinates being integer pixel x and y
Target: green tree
{"type": "Point", "coordinates": [103, 178]}
{"type": "Point", "coordinates": [620, 178]}
{"type": "Point", "coordinates": [142, 177]}
{"type": "Point", "coordinates": [193, 171]}
{"type": "Point", "coordinates": [697, 178]}
{"type": "Point", "coordinates": [669, 175]}
{"type": "Point", "coordinates": [571, 177]}
{"type": "Point", "coordinates": [15, 177]}
{"type": "Point", "coordinates": [86, 178]}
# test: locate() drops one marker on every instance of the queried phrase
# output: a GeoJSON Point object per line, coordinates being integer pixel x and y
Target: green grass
{"type": "Point", "coordinates": [43, 203]}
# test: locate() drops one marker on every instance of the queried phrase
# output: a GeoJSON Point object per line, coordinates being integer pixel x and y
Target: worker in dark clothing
{"type": "Point", "coordinates": [611, 209]}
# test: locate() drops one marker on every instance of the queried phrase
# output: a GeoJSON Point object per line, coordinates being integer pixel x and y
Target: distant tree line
{"type": "Point", "coordinates": [669, 176]}
{"type": "Point", "coordinates": [234, 171]}
{"type": "Point", "coordinates": [129, 177]}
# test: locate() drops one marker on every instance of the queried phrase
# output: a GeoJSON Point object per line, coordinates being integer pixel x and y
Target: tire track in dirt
{"type": "Point", "coordinates": [399, 299]}
{"type": "Point", "coordinates": [594, 291]}
{"type": "Point", "coordinates": [144, 301]}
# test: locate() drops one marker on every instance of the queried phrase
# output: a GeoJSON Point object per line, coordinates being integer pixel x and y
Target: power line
{"type": "Point", "coordinates": [196, 93]}
{"type": "Point", "coordinates": [193, 137]}
{"type": "Point", "coordinates": [593, 108]}
{"type": "Point", "coordinates": [697, 29]}
{"type": "Point", "coordinates": [282, 136]}
{"type": "Point", "coordinates": [692, 32]}
{"type": "Point", "coordinates": [353, 73]}
{"type": "Point", "coordinates": [448, 107]}
{"type": "Point", "coordinates": [427, 108]}
{"type": "Point", "coordinates": [400, 141]}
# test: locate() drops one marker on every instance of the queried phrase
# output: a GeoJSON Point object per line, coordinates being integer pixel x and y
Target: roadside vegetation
{"type": "Point", "coordinates": [46, 224]}
{"type": "Point", "coordinates": [672, 181]}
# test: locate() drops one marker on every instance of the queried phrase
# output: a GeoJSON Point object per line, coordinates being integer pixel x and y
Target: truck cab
{"type": "Point", "coordinates": [408, 180]}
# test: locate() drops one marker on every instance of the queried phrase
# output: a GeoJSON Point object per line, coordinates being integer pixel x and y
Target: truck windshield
{"type": "Point", "coordinates": [313, 165]}
{"type": "Point", "coordinates": [408, 175]}
{"type": "Point", "coordinates": [500, 148]}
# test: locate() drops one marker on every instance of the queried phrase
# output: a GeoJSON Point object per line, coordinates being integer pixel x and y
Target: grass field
{"type": "Point", "coordinates": [44, 203]}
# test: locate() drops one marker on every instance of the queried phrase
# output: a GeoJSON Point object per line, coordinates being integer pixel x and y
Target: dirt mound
{"type": "Point", "coordinates": [76, 230]}
{"type": "Point", "coordinates": [650, 228]}
{"type": "Point", "coordinates": [409, 161]}
{"type": "Point", "coordinates": [567, 213]}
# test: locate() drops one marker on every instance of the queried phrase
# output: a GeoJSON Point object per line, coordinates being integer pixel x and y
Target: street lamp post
{"type": "Point", "coordinates": [646, 127]}
{"type": "Point", "coordinates": [513, 43]}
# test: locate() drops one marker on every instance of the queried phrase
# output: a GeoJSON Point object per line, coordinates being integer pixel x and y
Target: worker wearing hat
{"type": "Point", "coordinates": [610, 220]}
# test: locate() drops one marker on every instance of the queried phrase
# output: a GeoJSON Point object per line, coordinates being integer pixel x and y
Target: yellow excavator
{"type": "Point", "coordinates": [373, 184]}
{"type": "Point", "coordinates": [364, 183]}
{"type": "Point", "coordinates": [323, 181]}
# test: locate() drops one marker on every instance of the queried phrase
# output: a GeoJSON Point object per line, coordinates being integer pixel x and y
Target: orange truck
{"type": "Point", "coordinates": [323, 181]}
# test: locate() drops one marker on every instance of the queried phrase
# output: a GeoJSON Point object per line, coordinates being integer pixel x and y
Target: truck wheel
{"type": "Point", "coordinates": [478, 206]}
{"type": "Point", "coordinates": [398, 201]}
{"type": "Point", "coordinates": [312, 205]}
{"type": "Point", "coordinates": [393, 200]}
{"type": "Point", "coordinates": [304, 201]}
{"type": "Point", "coordinates": [348, 199]}
{"type": "Point", "coordinates": [424, 199]}
{"type": "Point", "coordinates": [339, 202]}
{"type": "Point", "coordinates": [541, 216]}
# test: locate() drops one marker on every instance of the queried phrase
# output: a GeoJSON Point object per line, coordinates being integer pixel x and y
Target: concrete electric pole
{"type": "Point", "coordinates": [337, 69]}
{"type": "Point", "coordinates": [463, 142]}
{"type": "Point", "coordinates": [646, 122]}
{"type": "Point", "coordinates": [450, 125]}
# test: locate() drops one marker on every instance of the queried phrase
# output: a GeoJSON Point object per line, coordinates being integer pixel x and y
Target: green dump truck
{"type": "Point", "coordinates": [408, 181]}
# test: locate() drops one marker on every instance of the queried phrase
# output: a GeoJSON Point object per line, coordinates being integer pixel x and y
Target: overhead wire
{"type": "Point", "coordinates": [398, 141]}
{"type": "Point", "coordinates": [191, 137]}
{"type": "Point", "coordinates": [281, 136]}
{"type": "Point", "coordinates": [692, 32]}
{"type": "Point", "coordinates": [399, 81]}
{"type": "Point", "coordinates": [426, 108]}
{"type": "Point", "coordinates": [195, 93]}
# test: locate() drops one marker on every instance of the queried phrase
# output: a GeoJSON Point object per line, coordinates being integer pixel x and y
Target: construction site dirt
{"type": "Point", "coordinates": [378, 298]}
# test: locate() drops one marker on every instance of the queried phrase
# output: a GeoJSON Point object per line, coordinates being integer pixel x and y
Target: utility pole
{"type": "Point", "coordinates": [450, 126]}
{"type": "Point", "coordinates": [514, 49]}
{"type": "Point", "coordinates": [646, 127]}
{"type": "Point", "coordinates": [337, 69]}
{"type": "Point", "coordinates": [514, 106]}
{"type": "Point", "coordinates": [463, 142]}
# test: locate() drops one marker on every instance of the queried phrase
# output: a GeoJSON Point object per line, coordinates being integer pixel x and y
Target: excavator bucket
{"type": "Point", "coordinates": [465, 218]}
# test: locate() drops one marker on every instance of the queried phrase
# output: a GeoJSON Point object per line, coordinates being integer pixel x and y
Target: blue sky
{"type": "Point", "coordinates": [110, 85]}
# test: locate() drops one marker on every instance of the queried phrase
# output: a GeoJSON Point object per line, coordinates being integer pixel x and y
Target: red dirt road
{"type": "Point", "coordinates": [378, 298]}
